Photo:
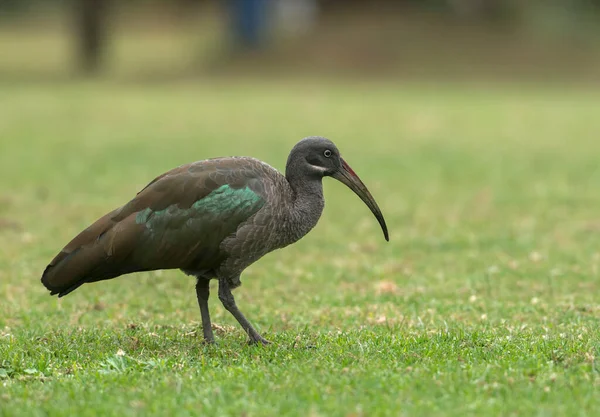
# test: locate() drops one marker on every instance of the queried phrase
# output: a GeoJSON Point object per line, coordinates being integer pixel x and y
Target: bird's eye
{"type": "Point", "coordinates": [327, 153]}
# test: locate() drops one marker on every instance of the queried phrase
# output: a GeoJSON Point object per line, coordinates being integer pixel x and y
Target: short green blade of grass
{"type": "Point", "coordinates": [484, 302]}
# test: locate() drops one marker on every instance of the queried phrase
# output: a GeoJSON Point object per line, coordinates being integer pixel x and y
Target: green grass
{"type": "Point", "coordinates": [485, 302]}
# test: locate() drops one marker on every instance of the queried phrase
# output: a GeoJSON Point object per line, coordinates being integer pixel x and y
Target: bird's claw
{"type": "Point", "coordinates": [259, 340]}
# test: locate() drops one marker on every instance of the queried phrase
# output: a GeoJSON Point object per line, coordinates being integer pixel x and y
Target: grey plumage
{"type": "Point", "coordinates": [211, 219]}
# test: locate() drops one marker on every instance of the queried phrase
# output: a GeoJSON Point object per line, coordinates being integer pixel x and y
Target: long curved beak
{"type": "Point", "coordinates": [348, 177]}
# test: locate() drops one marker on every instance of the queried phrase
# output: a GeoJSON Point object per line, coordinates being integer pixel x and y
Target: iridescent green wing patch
{"type": "Point", "coordinates": [225, 204]}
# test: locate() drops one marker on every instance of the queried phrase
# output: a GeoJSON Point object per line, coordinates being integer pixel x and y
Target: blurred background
{"type": "Point", "coordinates": [154, 40]}
{"type": "Point", "coordinates": [474, 123]}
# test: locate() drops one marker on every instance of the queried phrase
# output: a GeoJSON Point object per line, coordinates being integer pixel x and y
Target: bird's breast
{"type": "Point", "coordinates": [290, 223]}
{"type": "Point", "coordinates": [281, 221]}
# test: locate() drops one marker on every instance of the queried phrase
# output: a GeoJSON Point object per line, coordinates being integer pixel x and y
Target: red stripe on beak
{"type": "Point", "coordinates": [347, 167]}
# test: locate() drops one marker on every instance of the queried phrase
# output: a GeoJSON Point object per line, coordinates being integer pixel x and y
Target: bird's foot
{"type": "Point", "coordinates": [258, 339]}
{"type": "Point", "coordinates": [208, 341]}
{"type": "Point", "coordinates": [209, 338]}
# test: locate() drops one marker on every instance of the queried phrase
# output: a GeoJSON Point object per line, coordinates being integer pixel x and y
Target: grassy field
{"type": "Point", "coordinates": [485, 302]}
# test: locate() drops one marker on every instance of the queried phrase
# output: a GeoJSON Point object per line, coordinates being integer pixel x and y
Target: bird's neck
{"type": "Point", "coordinates": [308, 193]}
{"type": "Point", "coordinates": [307, 186]}
{"type": "Point", "coordinates": [307, 202]}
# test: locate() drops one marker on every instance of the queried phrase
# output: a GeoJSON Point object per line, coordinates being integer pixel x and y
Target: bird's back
{"type": "Point", "coordinates": [180, 220]}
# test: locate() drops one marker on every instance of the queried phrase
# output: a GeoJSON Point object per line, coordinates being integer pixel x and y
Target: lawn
{"type": "Point", "coordinates": [484, 302]}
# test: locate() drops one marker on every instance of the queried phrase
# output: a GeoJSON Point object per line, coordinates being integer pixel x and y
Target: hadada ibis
{"type": "Point", "coordinates": [211, 219]}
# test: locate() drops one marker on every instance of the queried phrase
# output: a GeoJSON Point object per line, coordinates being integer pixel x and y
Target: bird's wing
{"type": "Point", "coordinates": [178, 220]}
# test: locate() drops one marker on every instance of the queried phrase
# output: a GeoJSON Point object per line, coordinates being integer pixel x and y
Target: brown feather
{"type": "Point", "coordinates": [116, 244]}
{"type": "Point", "coordinates": [78, 257]}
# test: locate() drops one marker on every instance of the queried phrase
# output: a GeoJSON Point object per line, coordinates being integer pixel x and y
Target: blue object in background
{"type": "Point", "coordinates": [249, 21]}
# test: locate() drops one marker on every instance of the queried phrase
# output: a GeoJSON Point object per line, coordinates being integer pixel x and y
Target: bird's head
{"type": "Point", "coordinates": [318, 157]}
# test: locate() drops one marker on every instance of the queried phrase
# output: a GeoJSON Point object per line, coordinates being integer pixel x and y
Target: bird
{"type": "Point", "coordinates": [210, 219]}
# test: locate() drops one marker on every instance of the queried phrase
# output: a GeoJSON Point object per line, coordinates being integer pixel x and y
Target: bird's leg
{"type": "Point", "coordinates": [228, 301]}
{"type": "Point", "coordinates": [202, 292]}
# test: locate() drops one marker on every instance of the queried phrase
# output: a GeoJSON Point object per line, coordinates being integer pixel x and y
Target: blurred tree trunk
{"type": "Point", "coordinates": [90, 28]}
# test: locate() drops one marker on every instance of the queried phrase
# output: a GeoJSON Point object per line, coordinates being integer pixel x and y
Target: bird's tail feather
{"type": "Point", "coordinates": [68, 271]}
{"type": "Point", "coordinates": [85, 259]}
